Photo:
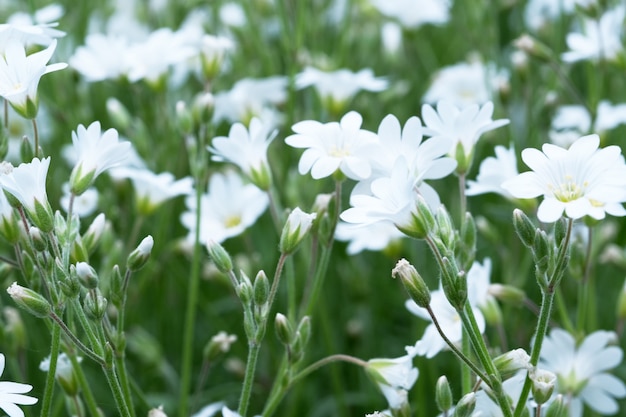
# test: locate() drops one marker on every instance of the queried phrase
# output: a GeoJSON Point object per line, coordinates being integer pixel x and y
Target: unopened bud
{"type": "Point", "coordinates": [445, 229]}
{"type": "Point", "coordinates": [466, 405]}
{"type": "Point", "coordinates": [261, 289]}
{"type": "Point", "coordinates": [157, 412]}
{"type": "Point", "coordinates": [218, 345]}
{"type": "Point", "coordinates": [412, 282]}
{"type": "Point", "coordinates": [543, 382]}
{"type": "Point", "coordinates": [443, 394]}
{"type": "Point", "coordinates": [541, 251]}
{"type": "Point", "coordinates": [533, 47]}
{"type": "Point", "coordinates": [29, 300]}
{"type": "Point", "coordinates": [95, 305]}
{"type": "Point", "coordinates": [219, 256]}
{"type": "Point", "coordinates": [86, 274]}
{"type": "Point", "coordinates": [512, 361]}
{"type": "Point", "coordinates": [284, 331]}
{"type": "Point", "coordinates": [557, 408]}
{"type": "Point", "coordinates": [94, 232]}
{"type": "Point", "coordinates": [524, 227]}
{"type": "Point", "coordinates": [507, 294]}
{"type": "Point", "coordinates": [296, 228]}
{"type": "Point", "coordinates": [303, 331]}
{"type": "Point", "coordinates": [38, 239]}
{"type": "Point", "coordinates": [138, 258]}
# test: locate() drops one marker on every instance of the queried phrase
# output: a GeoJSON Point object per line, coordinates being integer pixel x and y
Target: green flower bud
{"type": "Point", "coordinates": [524, 227]}
{"type": "Point", "coordinates": [138, 258]}
{"type": "Point", "coordinates": [492, 312]}
{"type": "Point", "coordinates": [466, 405]}
{"type": "Point", "coordinates": [42, 216]}
{"type": "Point", "coordinates": [468, 242]}
{"type": "Point", "coordinates": [219, 256]}
{"type": "Point", "coordinates": [261, 289]}
{"type": "Point", "coordinates": [203, 107]}
{"type": "Point", "coordinates": [445, 228]}
{"type": "Point", "coordinates": [80, 181]}
{"type": "Point", "coordinates": [218, 345]}
{"type": "Point", "coordinates": [26, 149]}
{"type": "Point", "coordinates": [92, 236]}
{"type": "Point", "coordinates": [95, 305]}
{"type": "Point", "coordinates": [296, 228]}
{"type": "Point", "coordinates": [64, 374]}
{"type": "Point", "coordinates": [560, 230]}
{"type": "Point", "coordinates": [245, 292]}
{"type": "Point", "coordinates": [30, 300]}
{"type": "Point", "coordinates": [119, 114]}
{"type": "Point", "coordinates": [557, 408]}
{"type": "Point", "coordinates": [454, 283]}
{"type": "Point", "coordinates": [422, 221]}
{"type": "Point", "coordinates": [39, 240]}
{"type": "Point", "coordinates": [541, 251]}
{"type": "Point", "coordinates": [507, 294]}
{"type": "Point", "coordinates": [284, 331]}
{"type": "Point", "coordinates": [116, 287]}
{"type": "Point", "coordinates": [443, 394]}
{"type": "Point", "coordinates": [303, 331]}
{"type": "Point", "coordinates": [512, 361]}
{"type": "Point", "coordinates": [412, 282]}
{"type": "Point", "coordinates": [10, 227]}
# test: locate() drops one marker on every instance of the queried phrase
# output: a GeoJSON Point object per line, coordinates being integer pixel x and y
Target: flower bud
{"type": "Point", "coordinates": [296, 228]}
{"type": "Point", "coordinates": [412, 282]}
{"type": "Point", "coordinates": [284, 331]}
{"type": "Point", "coordinates": [557, 408]}
{"type": "Point", "coordinates": [443, 394]}
{"type": "Point", "coordinates": [303, 331]}
{"type": "Point", "coordinates": [261, 289]}
{"type": "Point", "coordinates": [560, 230]}
{"type": "Point", "coordinates": [119, 114]}
{"type": "Point", "coordinates": [10, 226]}
{"type": "Point", "coordinates": [116, 287]}
{"type": "Point", "coordinates": [138, 258]}
{"type": "Point", "coordinates": [512, 361]}
{"type": "Point", "coordinates": [86, 274]}
{"type": "Point", "coordinates": [507, 294]}
{"type": "Point", "coordinates": [94, 232]}
{"type": "Point", "coordinates": [29, 300]}
{"type": "Point", "coordinates": [202, 108]}
{"type": "Point", "coordinates": [157, 412]}
{"type": "Point", "coordinates": [445, 229]}
{"type": "Point", "coordinates": [463, 158]}
{"type": "Point", "coordinates": [245, 292]}
{"type": "Point", "coordinates": [27, 152]}
{"type": "Point", "coordinates": [42, 216]}
{"type": "Point", "coordinates": [533, 47]}
{"type": "Point", "coordinates": [454, 283]}
{"type": "Point", "coordinates": [543, 382]}
{"type": "Point", "coordinates": [219, 256]}
{"type": "Point", "coordinates": [541, 251]}
{"type": "Point", "coordinates": [466, 405]}
{"type": "Point", "coordinates": [64, 374]}
{"type": "Point", "coordinates": [524, 227]}
{"type": "Point", "coordinates": [95, 305]}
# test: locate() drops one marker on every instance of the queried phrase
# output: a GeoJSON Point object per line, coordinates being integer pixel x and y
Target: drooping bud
{"type": "Point", "coordinates": [87, 276]}
{"type": "Point", "coordinates": [284, 330]}
{"type": "Point", "coordinates": [512, 361]}
{"type": "Point", "coordinates": [413, 283]}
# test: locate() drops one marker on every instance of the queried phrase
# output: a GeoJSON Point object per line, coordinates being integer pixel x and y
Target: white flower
{"type": "Point", "coordinates": [415, 13]}
{"type": "Point", "coordinates": [461, 125]}
{"type": "Point", "coordinates": [296, 228]}
{"type": "Point", "coordinates": [27, 183]}
{"type": "Point", "coordinates": [493, 172]}
{"type": "Point", "coordinates": [334, 146]}
{"type": "Point", "coordinates": [581, 370]}
{"type": "Point", "coordinates": [103, 57]}
{"type": "Point", "coordinates": [152, 190]}
{"type": "Point", "coordinates": [466, 83]}
{"type": "Point", "coordinates": [229, 207]}
{"type": "Point", "coordinates": [600, 39]}
{"type": "Point", "coordinates": [569, 123]}
{"type": "Point", "coordinates": [209, 410]}
{"type": "Point", "coordinates": [609, 116]}
{"type": "Point", "coordinates": [431, 342]}
{"type": "Point", "coordinates": [157, 412]}
{"type": "Point", "coordinates": [539, 13]}
{"type": "Point", "coordinates": [247, 148]}
{"type": "Point", "coordinates": [375, 237]}
{"type": "Point", "coordinates": [251, 97]}
{"type": "Point", "coordinates": [394, 377]}
{"type": "Point", "coordinates": [335, 88]}
{"type": "Point", "coordinates": [96, 152]}
{"type": "Point", "coordinates": [580, 181]}
{"type": "Point", "coordinates": [25, 30]}
{"type": "Point", "coordinates": [12, 394]}
{"type": "Point", "coordinates": [20, 75]}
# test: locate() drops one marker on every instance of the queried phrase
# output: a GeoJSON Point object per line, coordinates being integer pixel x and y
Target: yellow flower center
{"type": "Point", "coordinates": [568, 190]}
{"type": "Point", "coordinates": [232, 221]}
{"type": "Point", "coordinates": [338, 152]}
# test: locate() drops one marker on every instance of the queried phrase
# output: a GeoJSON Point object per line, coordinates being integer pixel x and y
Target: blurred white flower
{"type": "Point", "coordinates": [415, 13]}
{"type": "Point", "coordinates": [247, 148]}
{"type": "Point", "coordinates": [599, 39]}
{"type": "Point", "coordinates": [26, 30]}
{"type": "Point", "coordinates": [431, 342]}
{"type": "Point", "coordinates": [250, 98]}
{"type": "Point", "coordinates": [333, 146]}
{"type": "Point", "coordinates": [12, 394]}
{"type": "Point", "coordinates": [460, 125]}
{"type": "Point", "coordinates": [151, 189]}
{"type": "Point", "coordinates": [20, 75]}
{"type": "Point", "coordinates": [394, 377]}
{"type": "Point", "coordinates": [232, 14]}
{"type": "Point", "coordinates": [539, 13]}
{"type": "Point", "coordinates": [103, 57]}
{"type": "Point", "coordinates": [336, 88]}
{"type": "Point", "coordinates": [391, 36]}
{"type": "Point", "coordinates": [580, 181]}
{"type": "Point", "coordinates": [493, 172]}
{"type": "Point", "coordinates": [83, 205]}
{"type": "Point", "coordinates": [581, 370]}
{"type": "Point", "coordinates": [466, 83]}
{"type": "Point", "coordinates": [573, 121]}
{"type": "Point", "coordinates": [227, 209]}
{"type": "Point", "coordinates": [209, 410]}
{"type": "Point", "coordinates": [374, 237]}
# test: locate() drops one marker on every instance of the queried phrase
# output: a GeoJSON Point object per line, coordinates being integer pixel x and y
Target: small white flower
{"type": "Point", "coordinates": [413, 14]}
{"type": "Point", "coordinates": [227, 209]}
{"type": "Point", "coordinates": [375, 237]}
{"type": "Point", "coordinates": [334, 146]}
{"type": "Point", "coordinates": [96, 152]}
{"type": "Point", "coordinates": [335, 88]}
{"type": "Point", "coordinates": [600, 39]}
{"type": "Point", "coordinates": [12, 394]}
{"type": "Point", "coordinates": [224, 340]}
{"type": "Point", "coordinates": [580, 181]}
{"type": "Point", "coordinates": [461, 125]}
{"type": "Point", "coordinates": [493, 172]}
{"type": "Point", "coordinates": [247, 148]}
{"type": "Point", "coordinates": [20, 75]}
{"type": "Point", "coordinates": [27, 30]}
{"type": "Point", "coordinates": [103, 57]}
{"type": "Point", "coordinates": [394, 377]}
{"type": "Point", "coordinates": [157, 412]}
{"type": "Point", "coordinates": [581, 370]}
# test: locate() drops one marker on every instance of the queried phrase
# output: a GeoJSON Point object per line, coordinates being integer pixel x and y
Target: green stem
{"type": "Point", "coordinates": [120, 364]}
{"type": "Point", "coordinates": [253, 354]}
{"type": "Point", "coordinates": [36, 135]}
{"type": "Point", "coordinates": [547, 300]}
{"type": "Point", "coordinates": [46, 402]}
{"type": "Point", "coordinates": [116, 389]}
{"type": "Point", "coordinates": [80, 345]}
{"type": "Point", "coordinates": [96, 346]}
